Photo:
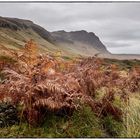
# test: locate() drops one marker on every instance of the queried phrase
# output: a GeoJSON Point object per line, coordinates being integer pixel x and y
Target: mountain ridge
{"type": "Point", "coordinates": [80, 36]}
{"type": "Point", "coordinates": [14, 32]}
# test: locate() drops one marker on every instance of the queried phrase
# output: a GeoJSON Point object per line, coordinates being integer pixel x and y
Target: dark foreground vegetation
{"type": "Point", "coordinates": [50, 96]}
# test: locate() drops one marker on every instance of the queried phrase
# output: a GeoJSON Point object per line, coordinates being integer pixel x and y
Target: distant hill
{"type": "Point", "coordinates": [15, 32]}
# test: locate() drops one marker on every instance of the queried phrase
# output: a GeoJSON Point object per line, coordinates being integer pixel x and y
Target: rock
{"type": "Point", "coordinates": [8, 115]}
{"type": "Point", "coordinates": [1, 123]}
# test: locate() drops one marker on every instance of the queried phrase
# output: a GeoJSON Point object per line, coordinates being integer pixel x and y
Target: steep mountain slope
{"type": "Point", "coordinates": [81, 42]}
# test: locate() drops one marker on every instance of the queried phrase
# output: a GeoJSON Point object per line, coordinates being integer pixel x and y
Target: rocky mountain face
{"type": "Point", "coordinates": [84, 37]}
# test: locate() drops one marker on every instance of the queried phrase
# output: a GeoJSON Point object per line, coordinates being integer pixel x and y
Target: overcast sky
{"type": "Point", "coordinates": [116, 24]}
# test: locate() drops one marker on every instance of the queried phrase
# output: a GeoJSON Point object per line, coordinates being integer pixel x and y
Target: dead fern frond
{"type": "Point", "coordinates": [50, 87]}
{"type": "Point", "coordinates": [48, 103]}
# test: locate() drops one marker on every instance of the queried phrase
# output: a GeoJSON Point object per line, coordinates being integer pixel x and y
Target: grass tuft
{"type": "Point", "coordinates": [131, 124]}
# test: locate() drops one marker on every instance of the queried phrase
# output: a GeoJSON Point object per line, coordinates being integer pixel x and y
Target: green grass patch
{"type": "Point", "coordinates": [83, 123]}
{"type": "Point", "coordinates": [131, 119]}
{"type": "Point", "coordinates": [66, 58]}
{"type": "Point", "coordinates": [123, 64]}
{"type": "Point", "coordinates": [7, 59]}
{"type": "Point", "coordinates": [112, 127]}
